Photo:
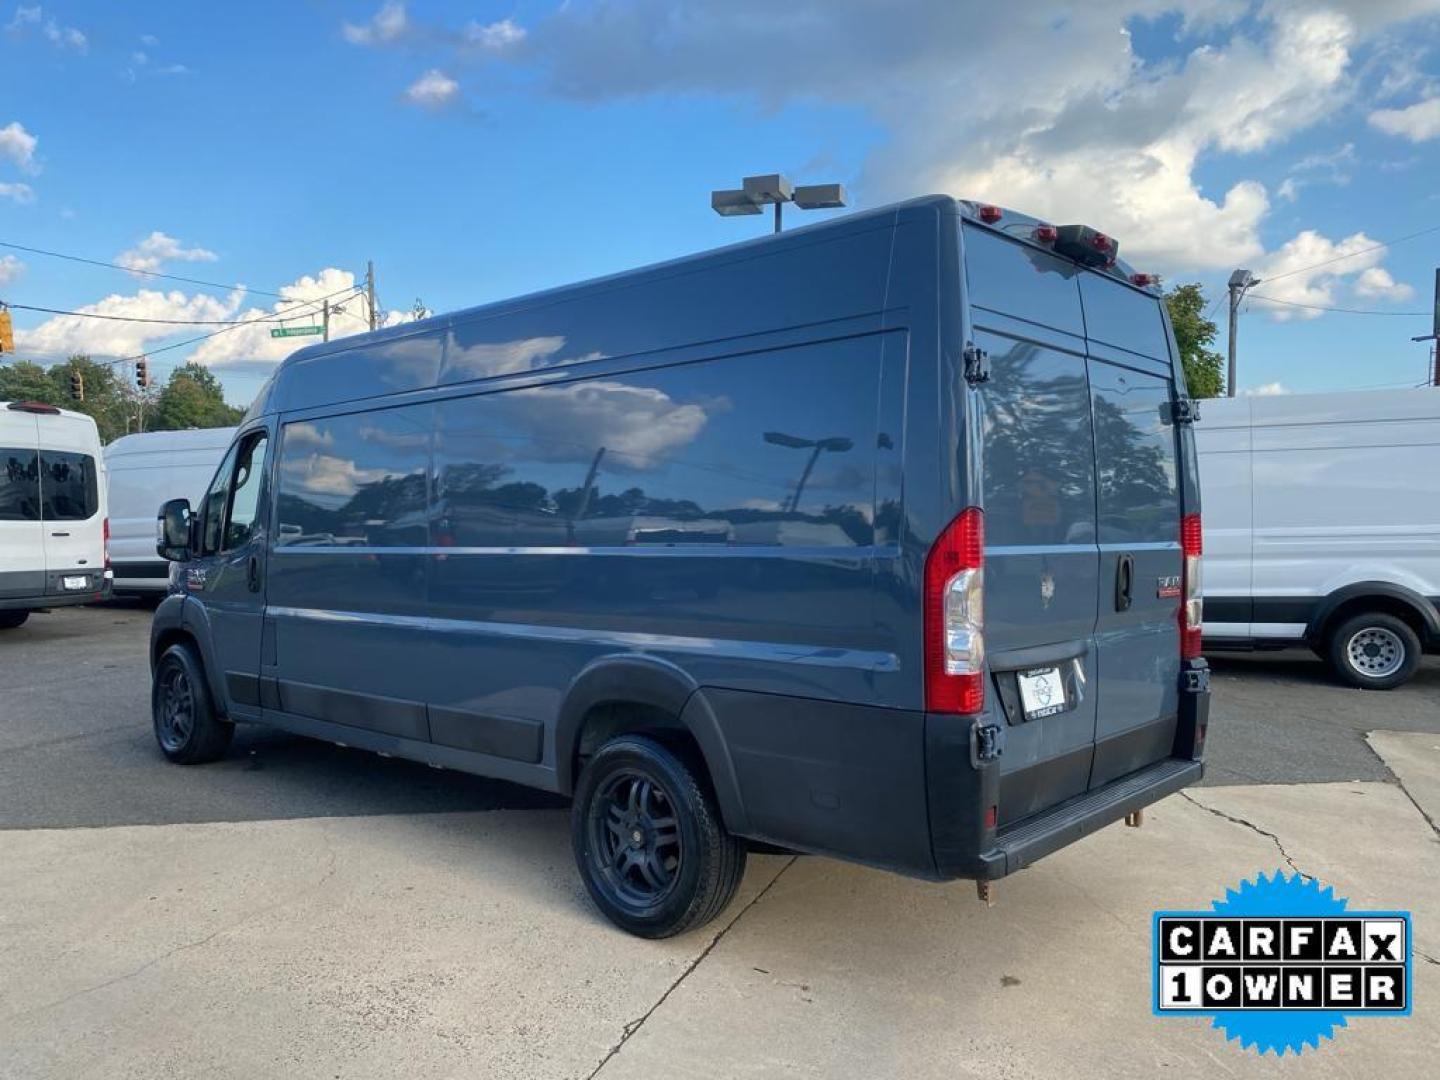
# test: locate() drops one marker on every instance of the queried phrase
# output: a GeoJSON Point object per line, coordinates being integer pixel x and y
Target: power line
{"type": "Point", "coordinates": [1352, 254]}
{"type": "Point", "coordinates": [136, 270]}
{"type": "Point", "coordinates": [1340, 310]}
{"type": "Point", "coordinates": [163, 322]}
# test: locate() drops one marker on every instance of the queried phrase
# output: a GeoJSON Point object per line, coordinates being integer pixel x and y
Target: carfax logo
{"type": "Point", "coordinates": [1280, 963]}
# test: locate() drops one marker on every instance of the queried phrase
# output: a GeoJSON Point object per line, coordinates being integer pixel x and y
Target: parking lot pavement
{"type": "Point", "coordinates": [303, 910]}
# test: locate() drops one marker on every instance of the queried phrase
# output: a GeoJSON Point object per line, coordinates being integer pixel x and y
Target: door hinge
{"type": "Point", "coordinates": [987, 742]}
{"type": "Point", "coordinates": [1183, 410]}
{"type": "Point", "coordinates": [977, 365]}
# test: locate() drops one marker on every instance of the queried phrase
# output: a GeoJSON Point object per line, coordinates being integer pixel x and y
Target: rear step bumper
{"type": "Point", "coordinates": [1019, 845]}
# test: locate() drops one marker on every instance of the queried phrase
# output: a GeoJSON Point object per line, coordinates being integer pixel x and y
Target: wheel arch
{"type": "Point", "coordinates": [1381, 596]}
{"type": "Point", "coordinates": [178, 622]}
{"type": "Point", "coordinates": [623, 694]}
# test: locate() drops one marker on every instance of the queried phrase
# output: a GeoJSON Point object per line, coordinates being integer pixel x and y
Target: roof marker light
{"type": "Point", "coordinates": [1046, 234]}
{"type": "Point", "coordinates": [1144, 280]}
{"type": "Point", "coordinates": [990, 214]}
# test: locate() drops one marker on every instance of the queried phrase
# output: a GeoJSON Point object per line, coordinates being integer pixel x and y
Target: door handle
{"type": "Point", "coordinates": [59, 534]}
{"type": "Point", "coordinates": [1124, 581]}
{"type": "Point", "coordinates": [252, 573]}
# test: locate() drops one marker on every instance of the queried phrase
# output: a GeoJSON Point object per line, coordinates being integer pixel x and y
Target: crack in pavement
{"type": "Point", "coordinates": [1254, 828]}
{"type": "Point", "coordinates": [635, 1025]}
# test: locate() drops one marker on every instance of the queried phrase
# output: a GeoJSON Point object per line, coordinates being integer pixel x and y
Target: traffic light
{"type": "Point", "coordinates": [77, 386]}
{"type": "Point", "coordinates": [7, 332]}
{"type": "Point", "coordinates": [142, 373]}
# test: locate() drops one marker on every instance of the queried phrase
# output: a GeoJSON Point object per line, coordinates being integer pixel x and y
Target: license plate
{"type": "Point", "coordinates": [1041, 692]}
{"type": "Point", "coordinates": [75, 582]}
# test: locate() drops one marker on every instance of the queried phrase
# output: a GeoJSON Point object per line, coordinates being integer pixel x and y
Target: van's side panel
{"type": "Point", "coordinates": [1223, 440]}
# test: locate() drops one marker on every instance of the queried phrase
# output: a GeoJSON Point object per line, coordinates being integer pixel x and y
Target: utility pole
{"type": "Point", "coordinates": [370, 291]}
{"type": "Point", "coordinates": [325, 322]}
{"type": "Point", "coordinates": [1434, 336]}
{"type": "Point", "coordinates": [1240, 280]}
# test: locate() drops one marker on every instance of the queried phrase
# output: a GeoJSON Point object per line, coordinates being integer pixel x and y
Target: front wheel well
{"type": "Point", "coordinates": [166, 638]}
{"type": "Point", "coordinates": [1402, 609]}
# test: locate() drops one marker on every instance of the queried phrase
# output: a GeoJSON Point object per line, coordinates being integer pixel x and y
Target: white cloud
{"type": "Point", "coordinates": [433, 90]}
{"type": "Point", "coordinates": [157, 249]}
{"type": "Point", "coordinates": [18, 145]}
{"type": "Point", "coordinates": [495, 36]}
{"type": "Point", "coordinates": [62, 37]}
{"type": "Point", "coordinates": [10, 269]}
{"type": "Point", "coordinates": [20, 193]}
{"type": "Point", "coordinates": [252, 348]}
{"type": "Point", "coordinates": [387, 24]}
{"type": "Point", "coordinates": [1417, 122]}
{"type": "Point", "coordinates": [1270, 389]}
{"type": "Point", "coordinates": [1308, 268]}
{"type": "Point", "coordinates": [1376, 282]}
{"type": "Point", "coordinates": [62, 335]}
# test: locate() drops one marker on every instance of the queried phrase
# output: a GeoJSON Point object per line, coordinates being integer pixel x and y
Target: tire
{"type": "Point", "coordinates": [684, 867]}
{"type": "Point", "coordinates": [9, 620]}
{"type": "Point", "coordinates": [1373, 651]}
{"type": "Point", "coordinates": [187, 728]}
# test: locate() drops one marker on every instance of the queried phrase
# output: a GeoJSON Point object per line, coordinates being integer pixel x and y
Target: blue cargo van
{"type": "Point", "coordinates": [876, 539]}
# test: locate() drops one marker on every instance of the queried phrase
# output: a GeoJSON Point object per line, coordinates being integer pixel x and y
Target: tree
{"type": "Point", "coordinates": [1204, 373]}
{"type": "Point", "coordinates": [24, 381]}
{"type": "Point", "coordinates": [104, 400]}
{"type": "Point", "coordinates": [192, 398]}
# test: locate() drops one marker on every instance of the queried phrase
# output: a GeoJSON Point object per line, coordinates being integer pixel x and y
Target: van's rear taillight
{"type": "Point", "coordinates": [955, 617]}
{"type": "Point", "coordinates": [105, 534]}
{"type": "Point", "coordinates": [1192, 605]}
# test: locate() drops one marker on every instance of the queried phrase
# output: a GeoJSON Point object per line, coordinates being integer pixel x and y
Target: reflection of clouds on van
{"type": "Point", "coordinates": [486, 359]}
{"type": "Point", "coordinates": [647, 529]}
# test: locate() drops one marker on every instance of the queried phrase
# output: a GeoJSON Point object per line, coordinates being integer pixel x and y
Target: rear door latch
{"type": "Point", "coordinates": [977, 365]}
{"type": "Point", "coordinates": [1183, 411]}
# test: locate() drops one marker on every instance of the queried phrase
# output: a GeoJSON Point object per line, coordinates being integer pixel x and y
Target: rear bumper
{"type": "Point", "coordinates": [45, 590]}
{"type": "Point", "coordinates": [966, 846]}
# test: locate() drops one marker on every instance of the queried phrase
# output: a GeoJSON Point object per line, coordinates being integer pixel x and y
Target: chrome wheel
{"type": "Point", "coordinates": [1375, 652]}
{"type": "Point", "coordinates": [175, 717]}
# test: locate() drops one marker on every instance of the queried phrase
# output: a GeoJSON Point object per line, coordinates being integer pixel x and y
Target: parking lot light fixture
{"type": "Point", "coordinates": [775, 189]}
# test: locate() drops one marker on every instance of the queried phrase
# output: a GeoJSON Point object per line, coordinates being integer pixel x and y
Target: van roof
{"type": "Point", "coordinates": [151, 442]}
{"type": "Point", "coordinates": [5, 409]}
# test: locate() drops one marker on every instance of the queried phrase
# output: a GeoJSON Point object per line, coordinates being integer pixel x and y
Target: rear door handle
{"type": "Point", "coordinates": [252, 573]}
{"type": "Point", "coordinates": [59, 534]}
{"type": "Point", "coordinates": [1124, 581]}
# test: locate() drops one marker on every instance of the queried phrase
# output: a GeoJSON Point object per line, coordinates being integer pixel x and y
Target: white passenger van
{"type": "Point", "coordinates": [1322, 527]}
{"type": "Point", "coordinates": [145, 471]}
{"type": "Point", "coordinates": [53, 530]}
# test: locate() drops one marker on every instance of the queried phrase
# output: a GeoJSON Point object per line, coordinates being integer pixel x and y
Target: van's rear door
{"type": "Point", "coordinates": [72, 502]}
{"type": "Point", "coordinates": [1137, 499]}
{"type": "Point", "coordinates": [22, 549]}
{"type": "Point", "coordinates": [1041, 560]}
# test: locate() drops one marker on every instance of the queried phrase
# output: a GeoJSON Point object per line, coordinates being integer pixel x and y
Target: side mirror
{"type": "Point", "coordinates": [172, 531]}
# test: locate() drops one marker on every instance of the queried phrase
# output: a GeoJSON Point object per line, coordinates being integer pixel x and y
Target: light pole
{"type": "Point", "coordinates": [775, 189]}
{"type": "Point", "coordinates": [836, 444]}
{"type": "Point", "coordinates": [1240, 280]}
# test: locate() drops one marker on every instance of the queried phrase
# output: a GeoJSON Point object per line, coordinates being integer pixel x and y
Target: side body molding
{"type": "Point", "coordinates": [633, 679]}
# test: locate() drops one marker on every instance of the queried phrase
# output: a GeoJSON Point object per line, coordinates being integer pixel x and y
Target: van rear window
{"type": "Point", "coordinates": [1022, 281]}
{"type": "Point", "coordinates": [19, 485]}
{"type": "Point", "coordinates": [69, 489]}
{"type": "Point", "coordinates": [1124, 317]}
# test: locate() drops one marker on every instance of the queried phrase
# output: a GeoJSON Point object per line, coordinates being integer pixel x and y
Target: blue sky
{"type": "Point", "coordinates": [480, 150]}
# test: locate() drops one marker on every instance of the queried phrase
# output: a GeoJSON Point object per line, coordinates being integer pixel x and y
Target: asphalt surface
{"type": "Point", "coordinates": [76, 747]}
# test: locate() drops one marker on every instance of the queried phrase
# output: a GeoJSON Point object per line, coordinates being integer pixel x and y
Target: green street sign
{"type": "Point", "coordinates": [294, 331]}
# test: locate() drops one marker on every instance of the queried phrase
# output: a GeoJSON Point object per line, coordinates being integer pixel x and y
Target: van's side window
{"type": "Point", "coordinates": [19, 485]}
{"type": "Point", "coordinates": [717, 452]}
{"type": "Point", "coordinates": [244, 513]}
{"type": "Point", "coordinates": [68, 486]}
{"type": "Point", "coordinates": [357, 480]}
{"type": "Point", "coordinates": [212, 510]}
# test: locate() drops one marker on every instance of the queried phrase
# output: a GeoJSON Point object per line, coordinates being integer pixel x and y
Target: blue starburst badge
{"type": "Point", "coordinates": [1280, 963]}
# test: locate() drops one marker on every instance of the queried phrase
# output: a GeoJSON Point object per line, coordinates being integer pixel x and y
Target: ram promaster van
{"type": "Point", "coordinates": [876, 539]}
{"type": "Point", "coordinates": [1360, 586]}
{"type": "Point", "coordinates": [53, 529]}
{"type": "Point", "coordinates": [145, 471]}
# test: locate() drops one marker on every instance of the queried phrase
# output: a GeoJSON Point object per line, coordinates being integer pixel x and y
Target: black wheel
{"type": "Point", "coordinates": [9, 620]}
{"type": "Point", "coordinates": [186, 726]}
{"type": "Point", "coordinates": [649, 841]}
{"type": "Point", "coordinates": [1374, 651]}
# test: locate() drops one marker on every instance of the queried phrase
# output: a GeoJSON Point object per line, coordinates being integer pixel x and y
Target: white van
{"type": "Point", "coordinates": [145, 471]}
{"type": "Point", "coordinates": [1322, 527]}
{"type": "Point", "coordinates": [53, 528]}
